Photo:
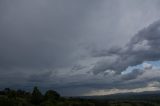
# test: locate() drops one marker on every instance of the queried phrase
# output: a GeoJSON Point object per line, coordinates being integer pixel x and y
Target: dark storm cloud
{"type": "Point", "coordinates": [109, 52]}
{"type": "Point", "coordinates": [40, 34]}
{"type": "Point", "coordinates": [144, 46]}
{"type": "Point", "coordinates": [77, 67]}
{"type": "Point", "coordinates": [40, 77]}
{"type": "Point", "coordinates": [47, 43]}
{"type": "Point", "coordinates": [137, 79]}
{"type": "Point", "coordinates": [132, 75]}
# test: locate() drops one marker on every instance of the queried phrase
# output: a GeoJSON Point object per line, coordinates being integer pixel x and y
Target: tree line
{"type": "Point", "coordinates": [10, 97]}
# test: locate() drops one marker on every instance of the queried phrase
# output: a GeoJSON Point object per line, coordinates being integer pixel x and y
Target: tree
{"type": "Point", "coordinates": [52, 95]}
{"type": "Point", "coordinates": [10, 93]}
{"type": "Point", "coordinates": [7, 90]}
{"type": "Point", "coordinates": [37, 97]}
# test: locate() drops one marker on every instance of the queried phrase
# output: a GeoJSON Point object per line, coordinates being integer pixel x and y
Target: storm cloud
{"type": "Point", "coordinates": [144, 46]}
{"type": "Point", "coordinates": [80, 47]}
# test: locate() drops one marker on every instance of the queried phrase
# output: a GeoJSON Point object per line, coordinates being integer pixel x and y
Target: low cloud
{"type": "Point", "coordinates": [132, 75]}
{"type": "Point", "coordinates": [144, 46]}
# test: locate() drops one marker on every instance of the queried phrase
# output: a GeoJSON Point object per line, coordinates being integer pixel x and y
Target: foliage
{"type": "Point", "coordinates": [51, 95]}
{"type": "Point", "coordinates": [36, 96]}
{"type": "Point", "coordinates": [9, 97]}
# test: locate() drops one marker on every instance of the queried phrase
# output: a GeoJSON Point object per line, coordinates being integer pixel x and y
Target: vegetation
{"type": "Point", "coordinates": [9, 97]}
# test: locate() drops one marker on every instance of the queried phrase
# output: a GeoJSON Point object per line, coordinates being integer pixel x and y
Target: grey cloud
{"type": "Point", "coordinates": [132, 75]}
{"type": "Point", "coordinates": [40, 77]}
{"type": "Point", "coordinates": [144, 46]}
{"type": "Point", "coordinates": [85, 83]}
{"type": "Point", "coordinates": [139, 78]}
{"type": "Point", "coordinates": [110, 52]}
{"type": "Point", "coordinates": [104, 65]}
{"type": "Point", "coordinates": [38, 35]}
{"type": "Point", "coordinates": [78, 67]}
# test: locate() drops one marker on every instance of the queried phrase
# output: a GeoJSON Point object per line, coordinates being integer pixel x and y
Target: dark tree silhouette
{"type": "Point", "coordinates": [52, 95]}
{"type": "Point", "coordinates": [6, 90]}
{"type": "Point", "coordinates": [37, 97]}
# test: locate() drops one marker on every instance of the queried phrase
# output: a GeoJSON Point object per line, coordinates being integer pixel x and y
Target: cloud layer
{"type": "Point", "coordinates": [144, 46]}
{"type": "Point", "coordinates": [78, 47]}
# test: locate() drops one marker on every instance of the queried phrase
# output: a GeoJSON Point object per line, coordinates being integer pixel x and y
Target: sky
{"type": "Point", "coordinates": [80, 47]}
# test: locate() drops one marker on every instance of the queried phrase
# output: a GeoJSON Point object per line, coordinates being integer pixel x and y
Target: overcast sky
{"type": "Point", "coordinates": [80, 47]}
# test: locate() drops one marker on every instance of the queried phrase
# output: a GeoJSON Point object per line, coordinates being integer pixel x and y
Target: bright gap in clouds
{"type": "Point", "coordinates": [131, 68]}
{"type": "Point", "coordinates": [116, 91]}
{"type": "Point", "coordinates": [144, 65]}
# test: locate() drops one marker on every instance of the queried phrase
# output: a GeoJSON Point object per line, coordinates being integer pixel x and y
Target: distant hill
{"type": "Point", "coordinates": [147, 95]}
